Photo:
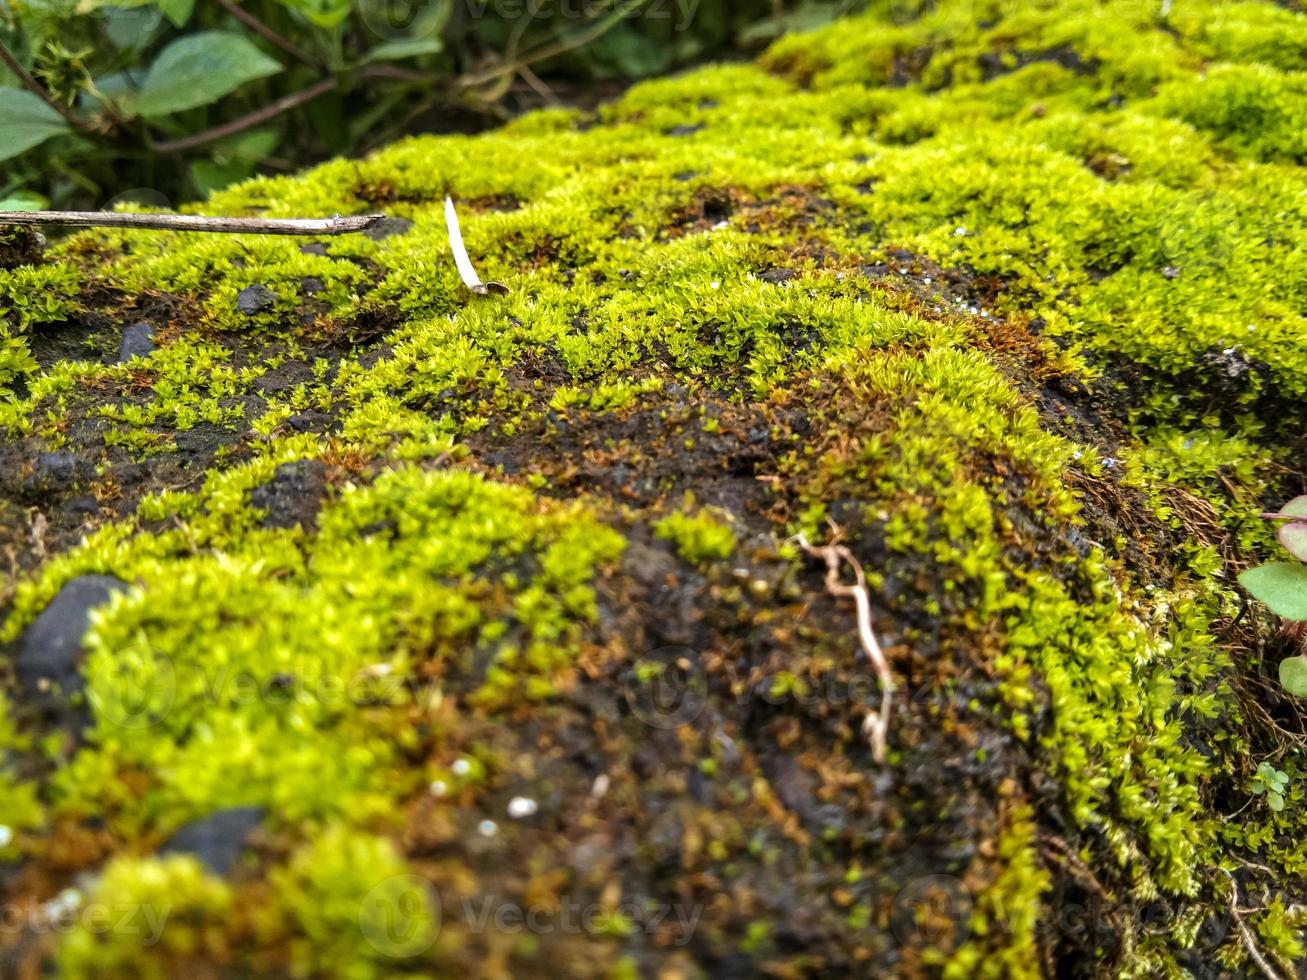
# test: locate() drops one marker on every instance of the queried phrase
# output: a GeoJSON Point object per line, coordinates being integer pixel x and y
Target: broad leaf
{"type": "Point", "coordinates": [1281, 586]}
{"type": "Point", "coordinates": [199, 69]}
{"type": "Point", "coordinates": [1293, 676]}
{"type": "Point", "coordinates": [1293, 534]}
{"type": "Point", "coordinates": [25, 122]}
{"type": "Point", "coordinates": [131, 28]}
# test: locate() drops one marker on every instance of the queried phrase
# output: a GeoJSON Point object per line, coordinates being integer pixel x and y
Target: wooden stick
{"type": "Point", "coordinates": [194, 222]}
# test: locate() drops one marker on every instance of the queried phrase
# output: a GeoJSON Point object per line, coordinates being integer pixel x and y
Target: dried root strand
{"type": "Point", "coordinates": [876, 726]}
{"type": "Point", "coordinates": [1249, 941]}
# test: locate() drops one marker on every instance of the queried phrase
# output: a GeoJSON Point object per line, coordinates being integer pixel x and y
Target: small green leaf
{"type": "Point", "coordinates": [25, 122]}
{"type": "Point", "coordinates": [1293, 676]}
{"type": "Point", "coordinates": [398, 50]}
{"type": "Point", "coordinates": [326, 14]}
{"type": "Point", "coordinates": [1257, 788]}
{"type": "Point", "coordinates": [1281, 586]}
{"type": "Point", "coordinates": [177, 11]}
{"type": "Point", "coordinates": [1293, 534]}
{"type": "Point", "coordinates": [199, 69]}
{"type": "Point", "coordinates": [1276, 801]}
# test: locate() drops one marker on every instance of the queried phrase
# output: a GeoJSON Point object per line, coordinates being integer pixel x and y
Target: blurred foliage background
{"type": "Point", "coordinates": [100, 100]}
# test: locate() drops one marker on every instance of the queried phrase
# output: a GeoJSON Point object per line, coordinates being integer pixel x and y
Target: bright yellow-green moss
{"type": "Point", "coordinates": [699, 538]}
{"type": "Point", "coordinates": [154, 918]}
{"type": "Point", "coordinates": [351, 907]}
{"type": "Point", "coordinates": [880, 246]}
{"type": "Point", "coordinates": [262, 646]}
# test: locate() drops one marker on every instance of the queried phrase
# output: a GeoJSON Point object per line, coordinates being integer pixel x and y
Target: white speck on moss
{"type": "Point", "coordinates": [461, 767]}
{"type": "Point", "coordinates": [439, 787]}
{"type": "Point", "coordinates": [6, 835]}
{"type": "Point", "coordinates": [521, 807]}
{"type": "Point", "coordinates": [487, 828]}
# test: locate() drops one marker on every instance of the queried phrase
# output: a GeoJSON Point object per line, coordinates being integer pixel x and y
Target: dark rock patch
{"type": "Point", "coordinates": [778, 277]}
{"type": "Point", "coordinates": [293, 495]}
{"type": "Point", "coordinates": [58, 470]}
{"type": "Point", "coordinates": [1230, 373]}
{"type": "Point", "coordinates": [218, 839]}
{"type": "Point", "coordinates": [310, 421]}
{"type": "Point", "coordinates": [138, 341]}
{"type": "Point", "coordinates": [20, 246]}
{"type": "Point", "coordinates": [388, 227]}
{"type": "Point", "coordinates": [255, 299]}
{"type": "Point", "coordinates": [50, 651]}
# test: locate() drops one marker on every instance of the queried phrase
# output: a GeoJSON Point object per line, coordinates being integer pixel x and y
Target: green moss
{"type": "Point", "coordinates": [699, 538]}
{"type": "Point", "coordinates": [875, 289]}
{"type": "Point", "coordinates": [148, 918]}
{"type": "Point", "coordinates": [350, 908]}
{"type": "Point", "coordinates": [210, 655]}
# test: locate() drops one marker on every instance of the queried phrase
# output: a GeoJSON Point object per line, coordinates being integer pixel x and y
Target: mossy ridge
{"type": "Point", "coordinates": [1063, 213]}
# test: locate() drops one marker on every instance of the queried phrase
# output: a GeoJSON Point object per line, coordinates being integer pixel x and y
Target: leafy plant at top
{"type": "Point", "coordinates": [1282, 585]}
{"type": "Point", "coordinates": [1271, 781]}
{"type": "Point", "coordinates": [185, 98]}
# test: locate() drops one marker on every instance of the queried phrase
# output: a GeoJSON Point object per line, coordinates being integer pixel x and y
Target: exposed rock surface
{"type": "Point", "coordinates": [976, 340]}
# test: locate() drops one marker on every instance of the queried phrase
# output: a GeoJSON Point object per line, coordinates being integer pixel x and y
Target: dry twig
{"type": "Point", "coordinates": [337, 225]}
{"type": "Point", "coordinates": [37, 526]}
{"type": "Point", "coordinates": [266, 32]}
{"type": "Point", "coordinates": [875, 727]}
{"type": "Point", "coordinates": [1249, 941]}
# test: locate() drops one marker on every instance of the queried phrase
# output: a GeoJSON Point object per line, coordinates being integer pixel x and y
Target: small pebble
{"type": "Point", "coordinates": [439, 787]}
{"type": "Point", "coordinates": [487, 828]}
{"type": "Point", "coordinates": [255, 299]}
{"type": "Point", "coordinates": [137, 341]}
{"type": "Point", "coordinates": [461, 767]}
{"type": "Point", "coordinates": [387, 228]}
{"type": "Point", "coordinates": [600, 786]}
{"type": "Point", "coordinates": [520, 807]}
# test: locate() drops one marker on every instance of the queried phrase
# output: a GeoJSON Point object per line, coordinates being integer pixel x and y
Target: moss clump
{"type": "Point", "coordinates": [699, 538]}
{"type": "Point", "coordinates": [1012, 305]}
{"type": "Point", "coordinates": [351, 908]}
{"type": "Point", "coordinates": [151, 918]}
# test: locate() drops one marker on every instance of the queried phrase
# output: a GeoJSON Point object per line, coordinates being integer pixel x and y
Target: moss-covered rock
{"type": "Point", "coordinates": [505, 611]}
